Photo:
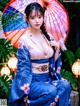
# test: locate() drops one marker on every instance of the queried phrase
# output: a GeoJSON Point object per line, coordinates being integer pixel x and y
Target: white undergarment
{"type": "Point", "coordinates": [37, 51]}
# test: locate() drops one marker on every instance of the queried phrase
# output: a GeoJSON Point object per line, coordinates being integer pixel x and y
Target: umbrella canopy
{"type": "Point", "coordinates": [1, 29]}
{"type": "Point", "coordinates": [55, 19]}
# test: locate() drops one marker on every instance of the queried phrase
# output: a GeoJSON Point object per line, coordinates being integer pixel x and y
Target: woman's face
{"type": "Point", "coordinates": [35, 19]}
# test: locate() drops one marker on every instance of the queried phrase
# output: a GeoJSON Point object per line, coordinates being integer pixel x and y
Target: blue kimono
{"type": "Point", "coordinates": [43, 87]}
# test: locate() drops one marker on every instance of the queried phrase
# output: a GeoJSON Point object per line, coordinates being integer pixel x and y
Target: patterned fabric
{"type": "Point", "coordinates": [43, 89]}
{"type": "Point", "coordinates": [54, 65]}
{"type": "Point", "coordinates": [23, 75]}
{"type": "Point", "coordinates": [55, 18]}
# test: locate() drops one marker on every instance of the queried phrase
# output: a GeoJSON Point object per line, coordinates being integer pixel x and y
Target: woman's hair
{"type": "Point", "coordinates": [37, 7]}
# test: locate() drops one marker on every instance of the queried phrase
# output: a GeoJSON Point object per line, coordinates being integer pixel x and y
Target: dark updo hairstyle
{"type": "Point", "coordinates": [36, 6]}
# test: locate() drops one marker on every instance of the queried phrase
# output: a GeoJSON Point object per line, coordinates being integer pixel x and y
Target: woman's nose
{"type": "Point", "coordinates": [37, 19]}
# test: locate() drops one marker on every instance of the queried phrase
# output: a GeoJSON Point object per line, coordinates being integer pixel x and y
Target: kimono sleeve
{"type": "Point", "coordinates": [55, 66]}
{"type": "Point", "coordinates": [23, 74]}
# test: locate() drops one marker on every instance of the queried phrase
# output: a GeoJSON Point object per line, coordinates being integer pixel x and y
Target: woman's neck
{"type": "Point", "coordinates": [36, 32]}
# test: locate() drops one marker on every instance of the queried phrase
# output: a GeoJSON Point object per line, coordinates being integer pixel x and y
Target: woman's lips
{"type": "Point", "coordinates": [37, 24]}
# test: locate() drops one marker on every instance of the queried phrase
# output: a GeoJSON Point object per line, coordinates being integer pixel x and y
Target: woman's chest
{"type": "Point", "coordinates": [39, 49]}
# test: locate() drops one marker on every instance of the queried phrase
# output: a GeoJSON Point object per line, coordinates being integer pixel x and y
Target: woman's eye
{"type": "Point", "coordinates": [39, 16]}
{"type": "Point", "coordinates": [32, 17]}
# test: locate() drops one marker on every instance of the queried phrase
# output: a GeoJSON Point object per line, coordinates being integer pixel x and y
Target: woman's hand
{"type": "Point", "coordinates": [58, 45]}
{"type": "Point", "coordinates": [57, 48]}
{"type": "Point", "coordinates": [54, 43]}
{"type": "Point", "coordinates": [25, 88]}
{"type": "Point", "coordinates": [62, 45]}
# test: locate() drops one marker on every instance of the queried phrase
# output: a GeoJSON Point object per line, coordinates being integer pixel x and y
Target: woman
{"type": "Point", "coordinates": [38, 81]}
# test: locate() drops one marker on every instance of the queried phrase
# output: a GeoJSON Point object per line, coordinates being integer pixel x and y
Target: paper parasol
{"type": "Point", "coordinates": [1, 29]}
{"type": "Point", "coordinates": [55, 19]}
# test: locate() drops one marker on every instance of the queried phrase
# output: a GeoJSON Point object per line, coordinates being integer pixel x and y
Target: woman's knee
{"type": "Point", "coordinates": [66, 85]}
{"type": "Point", "coordinates": [52, 91]}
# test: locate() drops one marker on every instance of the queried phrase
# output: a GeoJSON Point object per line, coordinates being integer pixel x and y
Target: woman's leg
{"type": "Point", "coordinates": [42, 94]}
{"type": "Point", "coordinates": [64, 90]}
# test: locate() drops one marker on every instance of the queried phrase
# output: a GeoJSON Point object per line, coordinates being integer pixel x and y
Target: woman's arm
{"type": "Point", "coordinates": [24, 67]}
{"type": "Point", "coordinates": [56, 59]}
{"type": "Point", "coordinates": [56, 46]}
